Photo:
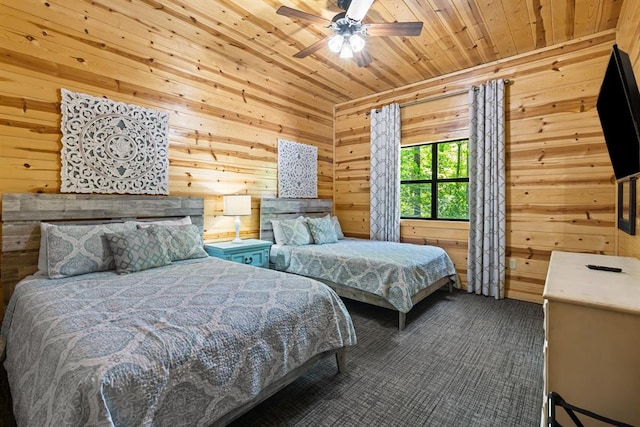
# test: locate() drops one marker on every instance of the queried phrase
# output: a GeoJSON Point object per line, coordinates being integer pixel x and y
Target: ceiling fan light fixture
{"type": "Point", "coordinates": [335, 43]}
{"type": "Point", "coordinates": [349, 33]}
{"type": "Point", "coordinates": [356, 42]}
{"type": "Point", "coordinates": [346, 52]}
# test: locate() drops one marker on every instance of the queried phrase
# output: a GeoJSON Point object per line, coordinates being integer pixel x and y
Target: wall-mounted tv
{"type": "Point", "coordinates": [619, 110]}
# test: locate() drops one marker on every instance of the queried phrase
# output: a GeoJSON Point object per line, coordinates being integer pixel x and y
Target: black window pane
{"type": "Point", "coordinates": [452, 200]}
{"type": "Point", "coordinates": [452, 159]}
{"type": "Point", "coordinates": [415, 200]}
{"type": "Point", "coordinates": [415, 163]}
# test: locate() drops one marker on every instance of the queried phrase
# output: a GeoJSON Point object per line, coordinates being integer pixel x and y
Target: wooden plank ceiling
{"type": "Point", "coordinates": [457, 34]}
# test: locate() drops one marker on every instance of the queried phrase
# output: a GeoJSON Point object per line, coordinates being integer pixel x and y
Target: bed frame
{"type": "Point", "coordinates": [21, 217]}
{"type": "Point", "coordinates": [274, 208]}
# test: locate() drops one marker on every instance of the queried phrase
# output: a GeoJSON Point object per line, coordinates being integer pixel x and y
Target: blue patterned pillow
{"type": "Point", "coordinates": [79, 249]}
{"type": "Point", "coordinates": [295, 232]}
{"type": "Point", "coordinates": [182, 241]}
{"type": "Point", "coordinates": [323, 230]}
{"type": "Point", "coordinates": [137, 250]}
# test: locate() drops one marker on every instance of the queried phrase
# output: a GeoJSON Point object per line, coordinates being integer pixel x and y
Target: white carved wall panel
{"type": "Point", "coordinates": [112, 147]}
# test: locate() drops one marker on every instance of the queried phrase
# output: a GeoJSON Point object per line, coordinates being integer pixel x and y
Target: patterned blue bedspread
{"type": "Point", "coordinates": [178, 345]}
{"type": "Point", "coordinates": [394, 271]}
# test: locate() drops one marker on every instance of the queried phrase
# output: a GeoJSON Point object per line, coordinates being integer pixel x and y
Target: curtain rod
{"type": "Point", "coordinates": [437, 97]}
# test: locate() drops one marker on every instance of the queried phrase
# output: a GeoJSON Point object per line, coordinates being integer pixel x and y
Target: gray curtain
{"type": "Point", "coordinates": [487, 235]}
{"type": "Point", "coordinates": [385, 174]}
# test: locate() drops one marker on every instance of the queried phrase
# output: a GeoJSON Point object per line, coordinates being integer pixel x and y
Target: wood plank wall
{"type": "Point", "coordinates": [225, 114]}
{"type": "Point", "coordinates": [561, 192]}
{"type": "Point", "coordinates": [225, 118]}
{"type": "Point", "coordinates": [628, 39]}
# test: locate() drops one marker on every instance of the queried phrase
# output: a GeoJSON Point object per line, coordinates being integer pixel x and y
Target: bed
{"type": "Point", "coordinates": [387, 274]}
{"type": "Point", "coordinates": [195, 341]}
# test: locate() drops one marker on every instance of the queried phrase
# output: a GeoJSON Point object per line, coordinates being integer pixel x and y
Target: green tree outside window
{"type": "Point", "coordinates": [434, 181]}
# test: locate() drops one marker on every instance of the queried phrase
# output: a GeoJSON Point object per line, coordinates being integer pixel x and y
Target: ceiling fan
{"type": "Point", "coordinates": [349, 33]}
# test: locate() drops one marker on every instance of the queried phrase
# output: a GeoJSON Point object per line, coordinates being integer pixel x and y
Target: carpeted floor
{"type": "Point", "coordinates": [463, 360]}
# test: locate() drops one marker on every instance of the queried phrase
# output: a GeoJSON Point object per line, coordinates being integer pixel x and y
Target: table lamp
{"type": "Point", "coordinates": [237, 205]}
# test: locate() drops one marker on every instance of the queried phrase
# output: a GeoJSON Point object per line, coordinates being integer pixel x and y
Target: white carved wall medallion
{"type": "Point", "coordinates": [112, 147]}
{"type": "Point", "coordinates": [297, 170]}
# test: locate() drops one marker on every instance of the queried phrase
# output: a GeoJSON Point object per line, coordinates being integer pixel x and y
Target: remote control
{"type": "Point", "coordinates": [604, 268]}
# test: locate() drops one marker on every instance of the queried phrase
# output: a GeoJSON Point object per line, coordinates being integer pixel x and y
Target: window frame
{"type": "Point", "coordinates": [434, 181]}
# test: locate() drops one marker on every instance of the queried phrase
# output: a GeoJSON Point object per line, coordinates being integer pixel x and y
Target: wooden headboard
{"type": "Point", "coordinates": [290, 208]}
{"type": "Point", "coordinates": [22, 214]}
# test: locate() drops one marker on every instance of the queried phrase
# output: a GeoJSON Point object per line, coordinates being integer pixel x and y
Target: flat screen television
{"type": "Point", "coordinates": [618, 106]}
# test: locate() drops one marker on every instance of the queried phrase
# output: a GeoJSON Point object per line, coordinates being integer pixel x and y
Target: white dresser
{"type": "Point", "coordinates": [592, 331]}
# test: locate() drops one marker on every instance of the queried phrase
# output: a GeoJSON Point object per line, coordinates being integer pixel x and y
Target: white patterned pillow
{"type": "Point", "coordinates": [137, 250]}
{"type": "Point", "coordinates": [295, 232]}
{"type": "Point", "coordinates": [336, 225]}
{"type": "Point", "coordinates": [80, 249]}
{"type": "Point", "coordinates": [278, 234]}
{"type": "Point", "coordinates": [322, 230]}
{"type": "Point", "coordinates": [182, 241]}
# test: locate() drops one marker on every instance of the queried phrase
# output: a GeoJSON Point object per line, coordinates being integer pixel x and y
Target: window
{"type": "Point", "coordinates": [434, 181]}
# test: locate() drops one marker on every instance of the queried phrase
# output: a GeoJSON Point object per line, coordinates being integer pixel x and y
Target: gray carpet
{"type": "Point", "coordinates": [463, 360]}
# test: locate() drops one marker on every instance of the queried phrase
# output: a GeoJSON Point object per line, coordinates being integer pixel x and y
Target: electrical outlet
{"type": "Point", "coordinates": [512, 263]}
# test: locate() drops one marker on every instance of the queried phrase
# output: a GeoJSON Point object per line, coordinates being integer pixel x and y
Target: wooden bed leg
{"type": "Point", "coordinates": [341, 360]}
{"type": "Point", "coordinates": [402, 320]}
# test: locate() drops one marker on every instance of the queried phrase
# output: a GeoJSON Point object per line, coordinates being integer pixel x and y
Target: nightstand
{"type": "Point", "coordinates": [250, 251]}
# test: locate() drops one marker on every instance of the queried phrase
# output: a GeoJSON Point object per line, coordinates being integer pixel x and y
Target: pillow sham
{"type": "Point", "coordinates": [277, 231]}
{"type": "Point", "coordinates": [295, 232]}
{"type": "Point", "coordinates": [322, 230]}
{"type": "Point", "coordinates": [165, 222]}
{"type": "Point", "coordinates": [42, 255]}
{"type": "Point", "coordinates": [336, 225]}
{"type": "Point", "coordinates": [72, 250]}
{"type": "Point", "coordinates": [181, 241]}
{"type": "Point", "coordinates": [137, 250]}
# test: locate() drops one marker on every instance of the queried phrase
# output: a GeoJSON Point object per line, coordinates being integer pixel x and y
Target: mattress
{"type": "Point", "coordinates": [393, 271]}
{"type": "Point", "coordinates": [182, 344]}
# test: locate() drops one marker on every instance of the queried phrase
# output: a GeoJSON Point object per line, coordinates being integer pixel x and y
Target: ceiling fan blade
{"type": "Point", "coordinates": [394, 29]}
{"type": "Point", "coordinates": [298, 14]}
{"type": "Point", "coordinates": [358, 9]}
{"type": "Point", "coordinates": [362, 58]}
{"type": "Point", "coordinates": [311, 49]}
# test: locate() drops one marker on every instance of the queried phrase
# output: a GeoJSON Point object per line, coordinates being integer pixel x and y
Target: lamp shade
{"type": "Point", "coordinates": [346, 52]}
{"type": "Point", "coordinates": [356, 42]}
{"type": "Point", "coordinates": [335, 43]}
{"type": "Point", "coordinates": [237, 205]}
